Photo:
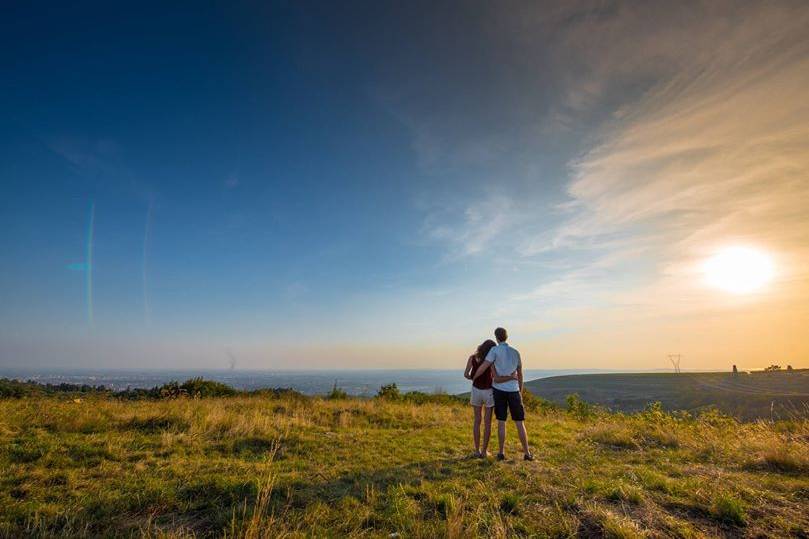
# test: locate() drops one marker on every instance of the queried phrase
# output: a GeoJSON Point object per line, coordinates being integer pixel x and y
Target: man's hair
{"type": "Point", "coordinates": [500, 334]}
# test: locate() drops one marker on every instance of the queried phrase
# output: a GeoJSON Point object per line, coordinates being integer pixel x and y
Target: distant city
{"type": "Point", "coordinates": [353, 382]}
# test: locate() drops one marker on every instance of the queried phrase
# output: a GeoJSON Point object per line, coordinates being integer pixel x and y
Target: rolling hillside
{"type": "Point", "coordinates": [747, 396]}
{"type": "Point", "coordinates": [279, 464]}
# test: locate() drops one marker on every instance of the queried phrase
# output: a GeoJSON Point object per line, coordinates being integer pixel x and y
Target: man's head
{"type": "Point", "coordinates": [500, 334]}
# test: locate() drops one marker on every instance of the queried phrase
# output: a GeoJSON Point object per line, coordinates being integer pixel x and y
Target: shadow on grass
{"type": "Point", "coordinates": [357, 484]}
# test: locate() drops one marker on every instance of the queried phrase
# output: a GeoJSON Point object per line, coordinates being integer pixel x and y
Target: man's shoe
{"type": "Point", "coordinates": [528, 456]}
{"type": "Point", "coordinates": [501, 456]}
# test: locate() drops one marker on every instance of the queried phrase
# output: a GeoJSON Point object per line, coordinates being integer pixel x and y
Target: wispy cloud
{"type": "Point", "coordinates": [474, 228]}
{"type": "Point", "coordinates": [695, 135]}
{"type": "Point", "coordinates": [716, 152]}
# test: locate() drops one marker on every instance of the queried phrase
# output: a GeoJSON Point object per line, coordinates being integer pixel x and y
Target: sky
{"type": "Point", "coordinates": [293, 185]}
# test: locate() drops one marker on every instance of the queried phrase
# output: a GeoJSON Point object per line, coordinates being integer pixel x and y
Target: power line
{"type": "Point", "coordinates": [675, 361]}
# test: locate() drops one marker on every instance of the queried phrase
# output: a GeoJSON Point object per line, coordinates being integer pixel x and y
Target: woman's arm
{"type": "Point", "coordinates": [519, 374]}
{"type": "Point", "coordinates": [467, 372]}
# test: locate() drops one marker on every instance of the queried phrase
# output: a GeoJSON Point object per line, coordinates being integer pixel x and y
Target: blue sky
{"type": "Point", "coordinates": [379, 185]}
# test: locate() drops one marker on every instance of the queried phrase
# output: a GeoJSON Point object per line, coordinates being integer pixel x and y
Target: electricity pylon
{"type": "Point", "coordinates": [675, 360]}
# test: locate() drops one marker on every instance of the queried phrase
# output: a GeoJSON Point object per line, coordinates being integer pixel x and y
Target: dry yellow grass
{"type": "Point", "coordinates": [273, 467]}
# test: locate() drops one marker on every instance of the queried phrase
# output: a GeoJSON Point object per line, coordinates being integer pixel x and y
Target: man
{"type": "Point", "coordinates": [507, 389]}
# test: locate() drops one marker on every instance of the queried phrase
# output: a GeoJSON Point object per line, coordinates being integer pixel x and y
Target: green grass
{"type": "Point", "coordinates": [283, 465]}
{"type": "Point", "coordinates": [729, 509]}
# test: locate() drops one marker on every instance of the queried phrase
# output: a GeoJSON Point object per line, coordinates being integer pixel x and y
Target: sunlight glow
{"type": "Point", "coordinates": [739, 270]}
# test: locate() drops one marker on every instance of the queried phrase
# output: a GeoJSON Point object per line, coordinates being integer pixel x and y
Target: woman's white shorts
{"type": "Point", "coordinates": [481, 397]}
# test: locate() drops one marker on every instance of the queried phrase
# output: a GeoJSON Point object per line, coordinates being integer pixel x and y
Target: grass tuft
{"type": "Point", "coordinates": [785, 459]}
{"type": "Point", "coordinates": [510, 504]}
{"type": "Point", "coordinates": [728, 509]}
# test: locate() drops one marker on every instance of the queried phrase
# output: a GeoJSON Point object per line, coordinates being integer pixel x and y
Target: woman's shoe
{"type": "Point", "coordinates": [528, 456]}
{"type": "Point", "coordinates": [501, 456]}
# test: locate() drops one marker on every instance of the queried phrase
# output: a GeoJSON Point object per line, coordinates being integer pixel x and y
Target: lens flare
{"type": "Point", "coordinates": [147, 312]}
{"type": "Point", "coordinates": [88, 264]}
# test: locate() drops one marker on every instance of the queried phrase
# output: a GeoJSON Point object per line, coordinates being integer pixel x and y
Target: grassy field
{"type": "Point", "coordinates": [770, 395]}
{"type": "Point", "coordinates": [291, 466]}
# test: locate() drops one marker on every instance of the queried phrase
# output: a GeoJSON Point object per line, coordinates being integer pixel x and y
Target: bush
{"type": "Point", "coordinates": [12, 389]}
{"type": "Point", "coordinates": [654, 412]}
{"type": "Point", "coordinates": [389, 391]}
{"type": "Point", "coordinates": [715, 418]}
{"type": "Point", "coordinates": [532, 403]}
{"type": "Point", "coordinates": [17, 389]}
{"type": "Point", "coordinates": [199, 387]}
{"type": "Point", "coordinates": [337, 393]}
{"type": "Point", "coordinates": [578, 408]}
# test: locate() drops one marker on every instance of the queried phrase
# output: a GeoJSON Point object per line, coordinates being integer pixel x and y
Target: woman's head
{"type": "Point", "coordinates": [483, 349]}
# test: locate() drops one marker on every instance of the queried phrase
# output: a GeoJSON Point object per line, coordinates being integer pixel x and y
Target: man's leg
{"type": "Point", "coordinates": [476, 428]}
{"type": "Point", "coordinates": [487, 428]}
{"type": "Point", "coordinates": [501, 413]}
{"type": "Point", "coordinates": [523, 436]}
{"type": "Point", "coordinates": [518, 415]}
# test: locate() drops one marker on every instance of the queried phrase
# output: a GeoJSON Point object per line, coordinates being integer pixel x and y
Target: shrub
{"type": "Point", "coordinates": [199, 387]}
{"type": "Point", "coordinates": [13, 389]}
{"type": "Point", "coordinates": [171, 390]}
{"type": "Point", "coordinates": [389, 391]}
{"type": "Point", "coordinates": [715, 418]}
{"type": "Point", "coordinates": [336, 393]}
{"type": "Point", "coordinates": [578, 408]}
{"type": "Point", "coordinates": [654, 412]}
{"type": "Point", "coordinates": [533, 403]}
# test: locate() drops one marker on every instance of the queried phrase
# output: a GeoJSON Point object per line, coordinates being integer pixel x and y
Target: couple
{"type": "Point", "coordinates": [496, 374]}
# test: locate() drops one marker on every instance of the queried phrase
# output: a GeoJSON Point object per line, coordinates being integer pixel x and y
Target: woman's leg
{"type": "Point", "coordinates": [476, 427]}
{"type": "Point", "coordinates": [487, 428]}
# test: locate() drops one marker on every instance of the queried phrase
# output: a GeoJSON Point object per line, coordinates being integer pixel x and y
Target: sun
{"type": "Point", "coordinates": [739, 270]}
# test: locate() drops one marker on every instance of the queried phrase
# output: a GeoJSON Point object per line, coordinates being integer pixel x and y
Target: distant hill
{"type": "Point", "coordinates": [753, 395]}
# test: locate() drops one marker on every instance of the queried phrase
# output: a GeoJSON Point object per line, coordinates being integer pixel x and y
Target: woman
{"type": "Point", "coordinates": [481, 400]}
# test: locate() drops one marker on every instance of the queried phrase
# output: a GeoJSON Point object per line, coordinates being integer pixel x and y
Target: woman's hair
{"type": "Point", "coordinates": [483, 349]}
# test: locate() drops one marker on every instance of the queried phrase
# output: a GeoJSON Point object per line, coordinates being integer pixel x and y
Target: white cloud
{"type": "Point", "coordinates": [699, 137]}
{"type": "Point", "coordinates": [475, 228]}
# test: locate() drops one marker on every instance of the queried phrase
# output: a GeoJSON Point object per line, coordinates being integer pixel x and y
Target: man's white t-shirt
{"type": "Point", "coordinates": [504, 360]}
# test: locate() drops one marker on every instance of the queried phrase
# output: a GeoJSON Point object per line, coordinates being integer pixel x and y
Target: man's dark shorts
{"type": "Point", "coordinates": [505, 401]}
